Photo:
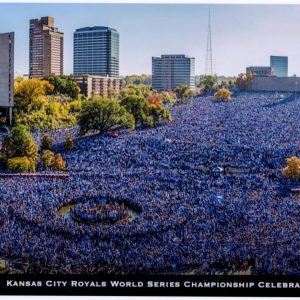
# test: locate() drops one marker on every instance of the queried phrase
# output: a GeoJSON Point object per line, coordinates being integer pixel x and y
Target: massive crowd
{"type": "Point", "coordinates": [188, 215]}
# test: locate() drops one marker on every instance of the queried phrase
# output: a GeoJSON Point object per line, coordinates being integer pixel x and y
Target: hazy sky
{"type": "Point", "coordinates": [242, 35]}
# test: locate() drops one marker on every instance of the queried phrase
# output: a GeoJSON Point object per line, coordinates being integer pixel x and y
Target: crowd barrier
{"type": "Point", "coordinates": [36, 175]}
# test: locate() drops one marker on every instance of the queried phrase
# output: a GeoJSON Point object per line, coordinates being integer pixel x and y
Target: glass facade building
{"type": "Point", "coordinates": [96, 51]}
{"type": "Point", "coordinates": [280, 65]}
{"type": "Point", "coordinates": [169, 71]}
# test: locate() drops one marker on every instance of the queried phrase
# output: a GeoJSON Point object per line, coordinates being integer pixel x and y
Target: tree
{"type": "Point", "coordinates": [75, 106]}
{"type": "Point", "coordinates": [154, 100]}
{"type": "Point", "coordinates": [103, 115]}
{"type": "Point", "coordinates": [138, 107]}
{"type": "Point", "coordinates": [39, 106]}
{"type": "Point", "coordinates": [189, 94]}
{"type": "Point", "coordinates": [18, 164]}
{"type": "Point", "coordinates": [64, 85]}
{"type": "Point", "coordinates": [243, 81]}
{"type": "Point", "coordinates": [58, 163]}
{"type": "Point", "coordinates": [136, 90]}
{"type": "Point", "coordinates": [223, 94]}
{"type": "Point", "coordinates": [209, 82]}
{"type": "Point", "coordinates": [138, 80]}
{"type": "Point", "coordinates": [19, 79]}
{"type": "Point", "coordinates": [69, 142]}
{"type": "Point", "coordinates": [157, 110]}
{"type": "Point", "coordinates": [46, 142]}
{"type": "Point", "coordinates": [112, 94]}
{"type": "Point", "coordinates": [183, 92]}
{"type": "Point", "coordinates": [293, 168]}
{"type": "Point", "coordinates": [7, 149]}
{"type": "Point", "coordinates": [158, 113]}
{"type": "Point", "coordinates": [47, 159]}
{"type": "Point", "coordinates": [22, 144]}
{"type": "Point", "coordinates": [167, 97]}
{"type": "Point", "coordinates": [31, 152]}
{"type": "Point", "coordinates": [27, 91]}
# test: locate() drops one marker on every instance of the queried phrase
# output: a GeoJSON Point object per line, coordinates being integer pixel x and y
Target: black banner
{"type": "Point", "coordinates": [150, 285]}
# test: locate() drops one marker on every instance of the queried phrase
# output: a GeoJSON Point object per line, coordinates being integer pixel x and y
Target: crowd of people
{"type": "Point", "coordinates": [188, 215]}
{"type": "Point", "coordinates": [100, 211]}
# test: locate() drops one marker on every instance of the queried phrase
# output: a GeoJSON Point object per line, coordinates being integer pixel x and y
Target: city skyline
{"type": "Point", "coordinates": [242, 35]}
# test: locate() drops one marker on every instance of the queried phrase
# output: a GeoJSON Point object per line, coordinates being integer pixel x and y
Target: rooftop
{"type": "Point", "coordinates": [95, 28]}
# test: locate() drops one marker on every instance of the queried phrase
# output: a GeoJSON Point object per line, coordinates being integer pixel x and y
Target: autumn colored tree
{"type": "Point", "coordinates": [243, 81]}
{"type": "Point", "coordinates": [19, 164]}
{"type": "Point", "coordinates": [157, 110]}
{"type": "Point", "coordinates": [293, 168]}
{"type": "Point", "coordinates": [58, 163]}
{"type": "Point", "coordinates": [39, 104]}
{"type": "Point", "coordinates": [223, 94]}
{"type": "Point", "coordinates": [154, 100]}
{"type": "Point", "coordinates": [27, 91]}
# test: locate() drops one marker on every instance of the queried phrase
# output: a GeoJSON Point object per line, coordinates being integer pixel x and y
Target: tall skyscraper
{"type": "Point", "coordinates": [45, 48]}
{"type": "Point", "coordinates": [7, 72]}
{"type": "Point", "coordinates": [96, 51]}
{"type": "Point", "coordinates": [280, 65]}
{"type": "Point", "coordinates": [169, 71]}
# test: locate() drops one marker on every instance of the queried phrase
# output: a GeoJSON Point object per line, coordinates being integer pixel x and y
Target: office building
{"type": "Point", "coordinates": [98, 85]}
{"type": "Point", "coordinates": [260, 71]}
{"type": "Point", "coordinates": [96, 51]}
{"type": "Point", "coordinates": [45, 48]}
{"type": "Point", "coordinates": [7, 72]}
{"type": "Point", "coordinates": [169, 71]}
{"type": "Point", "coordinates": [280, 65]}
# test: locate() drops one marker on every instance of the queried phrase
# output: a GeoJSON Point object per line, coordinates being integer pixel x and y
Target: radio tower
{"type": "Point", "coordinates": [209, 61]}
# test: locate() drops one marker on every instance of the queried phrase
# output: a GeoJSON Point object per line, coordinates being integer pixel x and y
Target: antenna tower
{"type": "Point", "coordinates": [209, 60]}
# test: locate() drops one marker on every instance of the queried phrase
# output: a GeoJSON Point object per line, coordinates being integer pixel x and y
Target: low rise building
{"type": "Point", "coordinates": [103, 86]}
{"type": "Point", "coordinates": [260, 71]}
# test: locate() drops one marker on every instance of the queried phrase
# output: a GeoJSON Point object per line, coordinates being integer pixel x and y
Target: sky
{"type": "Point", "coordinates": [242, 35]}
